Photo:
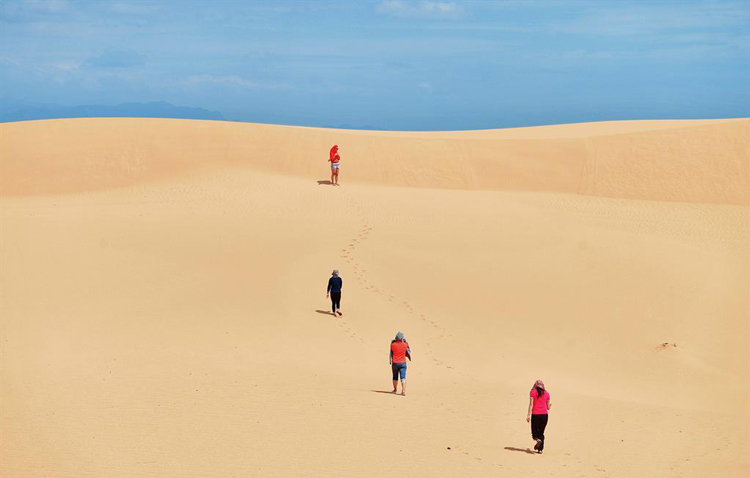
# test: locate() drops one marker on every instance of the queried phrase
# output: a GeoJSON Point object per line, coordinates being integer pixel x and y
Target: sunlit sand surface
{"type": "Point", "coordinates": [163, 307]}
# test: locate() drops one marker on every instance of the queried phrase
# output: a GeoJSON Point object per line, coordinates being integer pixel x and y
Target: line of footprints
{"type": "Point", "coordinates": [360, 274]}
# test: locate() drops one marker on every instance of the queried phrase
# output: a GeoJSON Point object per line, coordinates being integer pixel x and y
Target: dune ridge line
{"type": "Point", "coordinates": [701, 161]}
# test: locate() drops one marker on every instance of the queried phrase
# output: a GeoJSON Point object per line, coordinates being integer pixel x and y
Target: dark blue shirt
{"type": "Point", "coordinates": [334, 284]}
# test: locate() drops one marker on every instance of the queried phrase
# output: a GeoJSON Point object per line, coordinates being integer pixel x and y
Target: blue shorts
{"type": "Point", "coordinates": [399, 369]}
{"type": "Point", "coordinates": [334, 165]}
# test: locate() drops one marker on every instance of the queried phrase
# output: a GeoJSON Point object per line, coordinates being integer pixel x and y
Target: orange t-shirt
{"type": "Point", "coordinates": [399, 349]}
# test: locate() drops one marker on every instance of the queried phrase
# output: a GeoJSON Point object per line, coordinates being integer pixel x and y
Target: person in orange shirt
{"type": "Point", "coordinates": [400, 351]}
{"type": "Point", "coordinates": [334, 158]}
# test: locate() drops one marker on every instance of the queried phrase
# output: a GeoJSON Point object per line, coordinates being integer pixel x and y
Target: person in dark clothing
{"type": "Point", "coordinates": [334, 291]}
{"type": "Point", "coordinates": [538, 415]}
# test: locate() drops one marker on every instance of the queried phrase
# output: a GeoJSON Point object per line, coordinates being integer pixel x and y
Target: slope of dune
{"type": "Point", "coordinates": [687, 161]}
{"type": "Point", "coordinates": [163, 311]}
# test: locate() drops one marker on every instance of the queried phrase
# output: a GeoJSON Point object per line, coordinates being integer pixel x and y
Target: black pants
{"type": "Point", "coordinates": [538, 424]}
{"type": "Point", "coordinates": [335, 301]}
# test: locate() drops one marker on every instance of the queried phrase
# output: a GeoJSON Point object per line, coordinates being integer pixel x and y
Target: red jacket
{"type": "Point", "coordinates": [334, 157]}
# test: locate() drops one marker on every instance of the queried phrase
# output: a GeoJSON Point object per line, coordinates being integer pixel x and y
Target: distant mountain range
{"type": "Point", "coordinates": [14, 110]}
{"type": "Point", "coordinates": [18, 111]}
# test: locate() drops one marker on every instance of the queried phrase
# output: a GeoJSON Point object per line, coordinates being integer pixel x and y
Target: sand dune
{"type": "Point", "coordinates": [163, 306]}
{"type": "Point", "coordinates": [687, 161]}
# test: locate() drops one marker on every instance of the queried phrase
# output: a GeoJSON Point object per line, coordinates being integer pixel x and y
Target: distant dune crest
{"type": "Point", "coordinates": [691, 161]}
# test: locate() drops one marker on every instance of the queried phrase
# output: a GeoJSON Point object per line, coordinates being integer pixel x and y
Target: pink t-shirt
{"type": "Point", "coordinates": [540, 404]}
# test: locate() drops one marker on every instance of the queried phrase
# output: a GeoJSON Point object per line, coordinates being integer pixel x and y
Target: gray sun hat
{"type": "Point", "coordinates": [399, 336]}
{"type": "Point", "coordinates": [335, 272]}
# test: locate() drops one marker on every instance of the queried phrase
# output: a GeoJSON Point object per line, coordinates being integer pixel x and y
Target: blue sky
{"type": "Point", "coordinates": [400, 65]}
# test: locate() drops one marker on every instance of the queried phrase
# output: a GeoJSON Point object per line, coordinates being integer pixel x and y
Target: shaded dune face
{"type": "Point", "coordinates": [686, 161]}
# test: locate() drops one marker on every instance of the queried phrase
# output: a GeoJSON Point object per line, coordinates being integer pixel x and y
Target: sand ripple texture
{"type": "Point", "coordinates": [163, 310]}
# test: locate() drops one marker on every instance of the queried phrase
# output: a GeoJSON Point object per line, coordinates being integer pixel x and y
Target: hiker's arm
{"type": "Point", "coordinates": [531, 404]}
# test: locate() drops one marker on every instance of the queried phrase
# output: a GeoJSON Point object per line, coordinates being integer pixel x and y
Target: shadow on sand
{"type": "Point", "coordinates": [326, 312]}
{"type": "Point", "coordinates": [385, 391]}
{"type": "Point", "coordinates": [524, 450]}
{"type": "Point", "coordinates": [325, 181]}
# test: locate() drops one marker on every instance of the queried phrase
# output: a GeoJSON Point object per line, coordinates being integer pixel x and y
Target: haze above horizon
{"type": "Point", "coordinates": [392, 65]}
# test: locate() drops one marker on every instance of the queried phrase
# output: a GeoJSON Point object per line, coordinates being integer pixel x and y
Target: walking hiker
{"type": "Point", "coordinates": [400, 351]}
{"type": "Point", "coordinates": [334, 291]}
{"type": "Point", "coordinates": [539, 405]}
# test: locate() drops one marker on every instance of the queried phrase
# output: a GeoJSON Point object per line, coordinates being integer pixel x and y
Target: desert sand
{"type": "Point", "coordinates": [163, 307]}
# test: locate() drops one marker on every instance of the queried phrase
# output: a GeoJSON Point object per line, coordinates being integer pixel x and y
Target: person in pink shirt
{"type": "Point", "coordinates": [539, 405]}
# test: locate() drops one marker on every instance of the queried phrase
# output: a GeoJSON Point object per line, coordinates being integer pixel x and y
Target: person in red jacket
{"type": "Point", "coordinates": [400, 351]}
{"type": "Point", "coordinates": [334, 158]}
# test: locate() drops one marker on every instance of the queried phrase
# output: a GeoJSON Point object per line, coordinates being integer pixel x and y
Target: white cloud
{"type": "Point", "coordinates": [233, 81]}
{"type": "Point", "coordinates": [67, 65]}
{"type": "Point", "coordinates": [634, 20]}
{"type": "Point", "coordinates": [117, 58]}
{"type": "Point", "coordinates": [47, 5]}
{"type": "Point", "coordinates": [227, 80]}
{"type": "Point", "coordinates": [426, 87]}
{"type": "Point", "coordinates": [26, 10]}
{"type": "Point", "coordinates": [424, 8]}
{"type": "Point", "coordinates": [122, 7]}
{"type": "Point", "coordinates": [438, 7]}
